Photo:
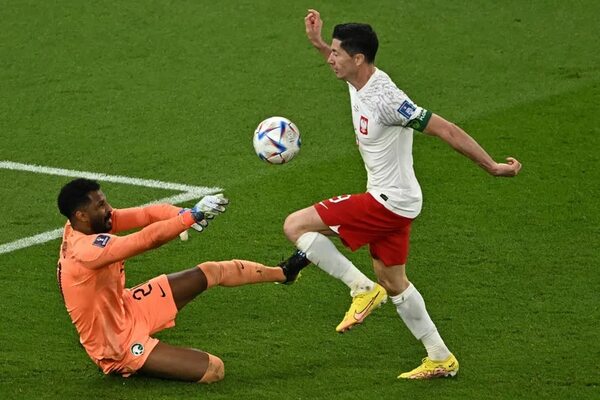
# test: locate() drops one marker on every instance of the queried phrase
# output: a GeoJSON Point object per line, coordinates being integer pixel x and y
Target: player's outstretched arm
{"type": "Point", "coordinates": [116, 248]}
{"type": "Point", "coordinates": [466, 145]}
{"type": "Point", "coordinates": [314, 25]}
{"type": "Point", "coordinates": [125, 219]}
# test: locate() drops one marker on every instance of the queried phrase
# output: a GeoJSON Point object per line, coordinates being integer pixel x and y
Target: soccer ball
{"type": "Point", "coordinates": [276, 140]}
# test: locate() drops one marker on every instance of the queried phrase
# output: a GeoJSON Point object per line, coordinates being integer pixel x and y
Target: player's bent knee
{"type": "Point", "coordinates": [291, 228]}
{"type": "Point", "coordinates": [215, 370]}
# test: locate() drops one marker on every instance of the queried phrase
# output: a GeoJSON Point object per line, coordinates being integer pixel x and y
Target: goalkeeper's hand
{"type": "Point", "coordinates": [205, 209]}
{"type": "Point", "coordinates": [211, 206]}
{"type": "Point", "coordinates": [199, 224]}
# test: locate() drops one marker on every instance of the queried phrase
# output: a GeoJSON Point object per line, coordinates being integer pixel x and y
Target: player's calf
{"type": "Point", "coordinates": [239, 272]}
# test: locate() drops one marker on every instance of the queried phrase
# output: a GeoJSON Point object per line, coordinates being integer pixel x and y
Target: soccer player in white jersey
{"type": "Point", "coordinates": [384, 119]}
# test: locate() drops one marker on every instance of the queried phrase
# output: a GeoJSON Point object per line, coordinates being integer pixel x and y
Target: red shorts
{"type": "Point", "coordinates": [360, 219]}
{"type": "Point", "coordinates": [153, 309]}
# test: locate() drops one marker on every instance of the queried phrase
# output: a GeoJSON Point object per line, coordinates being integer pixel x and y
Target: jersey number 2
{"type": "Point", "coordinates": [140, 293]}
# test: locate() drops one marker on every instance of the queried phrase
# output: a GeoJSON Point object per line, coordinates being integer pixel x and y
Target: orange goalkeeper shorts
{"type": "Point", "coordinates": [152, 306]}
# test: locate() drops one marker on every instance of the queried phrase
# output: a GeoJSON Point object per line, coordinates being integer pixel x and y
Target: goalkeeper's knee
{"type": "Point", "coordinates": [215, 370]}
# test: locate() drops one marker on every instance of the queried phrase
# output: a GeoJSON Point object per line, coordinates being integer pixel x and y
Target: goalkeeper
{"type": "Point", "coordinates": [116, 324]}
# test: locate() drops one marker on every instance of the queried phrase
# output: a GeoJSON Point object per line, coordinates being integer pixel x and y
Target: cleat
{"type": "Point", "coordinates": [362, 305]}
{"type": "Point", "coordinates": [292, 267]}
{"type": "Point", "coordinates": [430, 369]}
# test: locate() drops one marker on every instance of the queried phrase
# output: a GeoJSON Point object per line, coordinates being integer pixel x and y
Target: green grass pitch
{"type": "Point", "coordinates": [172, 90]}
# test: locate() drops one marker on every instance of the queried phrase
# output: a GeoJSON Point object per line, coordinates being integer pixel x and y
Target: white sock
{"type": "Point", "coordinates": [411, 308]}
{"type": "Point", "coordinates": [323, 253]}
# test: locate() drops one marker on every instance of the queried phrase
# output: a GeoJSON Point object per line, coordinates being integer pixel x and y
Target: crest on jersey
{"type": "Point", "coordinates": [137, 349]}
{"type": "Point", "coordinates": [363, 125]}
{"type": "Point", "coordinates": [407, 109]}
{"type": "Point", "coordinates": [101, 240]}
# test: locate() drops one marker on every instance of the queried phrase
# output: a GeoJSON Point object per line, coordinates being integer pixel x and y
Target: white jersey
{"type": "Point", "coordinates": [384, 117]}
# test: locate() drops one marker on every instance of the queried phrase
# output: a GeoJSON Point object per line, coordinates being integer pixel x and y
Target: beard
{"type": "Point", "coordinates": [102, 225]}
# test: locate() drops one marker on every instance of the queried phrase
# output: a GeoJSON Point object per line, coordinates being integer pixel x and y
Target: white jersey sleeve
{"type": "Point", "coordinates": [392, 106]}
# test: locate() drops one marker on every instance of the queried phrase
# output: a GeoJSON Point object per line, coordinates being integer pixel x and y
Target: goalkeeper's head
{"type": "Point", "coordinates": [84, 204]}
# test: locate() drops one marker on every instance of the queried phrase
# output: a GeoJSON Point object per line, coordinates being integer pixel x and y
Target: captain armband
{"type": "Point", "coordinates": [420, 121]}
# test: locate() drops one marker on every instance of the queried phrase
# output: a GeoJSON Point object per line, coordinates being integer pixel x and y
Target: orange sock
{"type": "Point", "coordinates": [239, 272]}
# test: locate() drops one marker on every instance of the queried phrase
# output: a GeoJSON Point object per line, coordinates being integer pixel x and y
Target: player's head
{"type": "Point", "coordinates": [84, 204]}
{"type": "Point", "coordinates": [356, 39]}
{"type": "Point", "coordinates": [353, 48]}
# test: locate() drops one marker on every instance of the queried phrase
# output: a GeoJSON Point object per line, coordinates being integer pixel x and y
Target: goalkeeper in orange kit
{"type": "Point", "coordinates": [116, 324]}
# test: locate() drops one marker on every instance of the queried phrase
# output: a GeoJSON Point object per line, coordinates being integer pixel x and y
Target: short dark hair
{"type": "Point", "coordinates": [357, 38]}
{"type": "Point", "coordinates": [75, 195]}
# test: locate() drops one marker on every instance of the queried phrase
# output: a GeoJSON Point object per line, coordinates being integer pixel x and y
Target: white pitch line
{"type": "Point", "coordinates": [56, 233]}
{"type": "Point", "coordinates": [190, 193]}
{"type": "Point", "coordinates": [105, 178]}
{"type": "Point", "coordinates": [31, 241]}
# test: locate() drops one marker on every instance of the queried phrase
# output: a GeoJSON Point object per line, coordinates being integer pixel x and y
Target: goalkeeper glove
{"type": "Point", "coordinates": [212, 205]}
{"type": "Point", "coordinates": [199, 224]}
{"type": "Point", "coordinates": [205, 209]}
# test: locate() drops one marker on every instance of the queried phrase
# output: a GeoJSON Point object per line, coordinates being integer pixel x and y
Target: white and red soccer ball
{"type": "Point", "coordinates": [276, 140]}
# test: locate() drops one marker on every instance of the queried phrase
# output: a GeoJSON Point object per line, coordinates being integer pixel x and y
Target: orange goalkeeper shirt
{"type": "Point", "coordinates": [91, 274]}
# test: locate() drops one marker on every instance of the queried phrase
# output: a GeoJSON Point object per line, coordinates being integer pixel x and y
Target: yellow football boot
{"type": "Point", "coordinates": [433, 369]}
{"type": "Point", "coordinates": [361, 307]}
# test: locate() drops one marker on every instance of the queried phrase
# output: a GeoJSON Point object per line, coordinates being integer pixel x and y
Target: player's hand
{"type": "Point", "coordinates": [205, 209]}
{"type": "Point", "coordinates": [314, 25]}
{"type": "Point", "coordinates": [211, 206]}
{"type": "Point", "coordinates": [510, 168]}
{"type": "Point", "coordinates": [201, 221]}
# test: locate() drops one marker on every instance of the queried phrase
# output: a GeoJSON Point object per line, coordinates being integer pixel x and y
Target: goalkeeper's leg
{"type": "Point", "coordinates": [184, 364]}
{"type": "Point", "coordinates": [239, 272]}
{"type": "Point", "coordinates": [188, 284]}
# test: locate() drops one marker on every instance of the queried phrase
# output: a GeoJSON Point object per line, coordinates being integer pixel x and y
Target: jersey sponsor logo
{"type": "Point", "coordinates": [137, 349]}
{"type": "Point", "coordinates": [364, 125]}
{"type": "Point", "coordinates": [407, 109]}
{"type": "Point", "coordinates": [101, 240]}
